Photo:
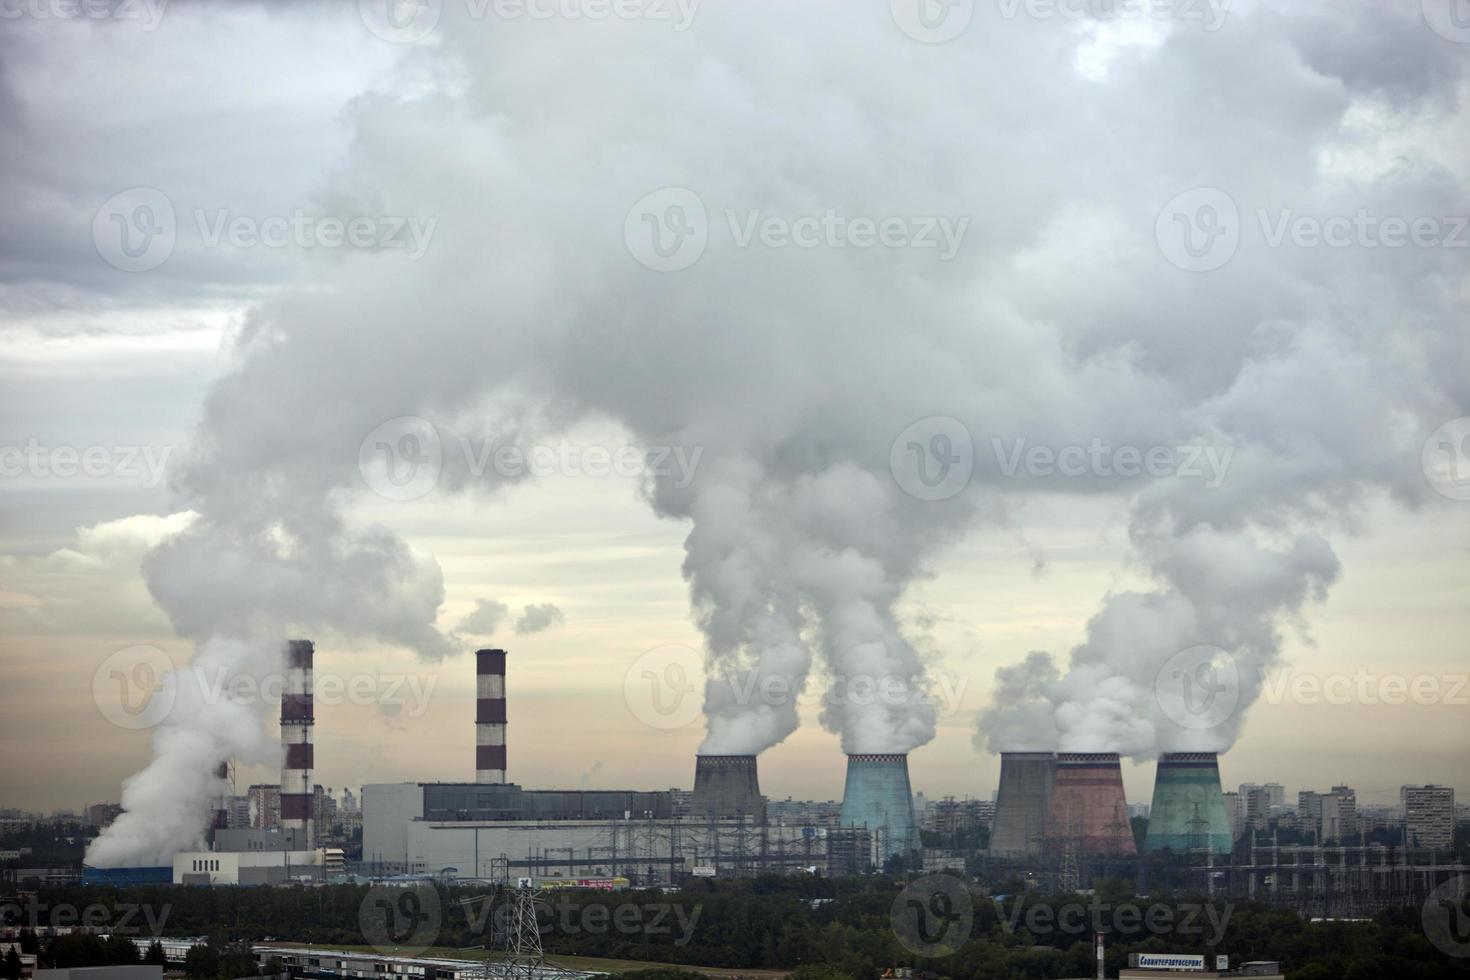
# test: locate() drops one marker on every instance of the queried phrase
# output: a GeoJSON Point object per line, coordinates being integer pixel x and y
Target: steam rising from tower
{"type": "Point", "coordinates": [490, 716]}
{"type": "Point", "coordinates": [298, 719]}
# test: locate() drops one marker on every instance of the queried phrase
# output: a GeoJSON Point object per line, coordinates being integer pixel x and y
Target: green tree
{"type": "Point", "coordinates": [12, 967]}
{"type": "Point", "coordinates": [122, 951]}
{"type": "Point", "coordinates": [155, 955]}
{"type": "Point", "coordinates": [202, 962]}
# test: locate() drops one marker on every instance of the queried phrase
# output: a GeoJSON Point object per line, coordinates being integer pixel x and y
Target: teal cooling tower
{"type": "Point", "coordinates": [1188, 812]}
{"type": "Point", "coordinates": [877, 796]}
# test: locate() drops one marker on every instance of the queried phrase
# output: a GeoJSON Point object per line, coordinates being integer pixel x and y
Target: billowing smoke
{"type": "Point", "coordinates": [884, 232]}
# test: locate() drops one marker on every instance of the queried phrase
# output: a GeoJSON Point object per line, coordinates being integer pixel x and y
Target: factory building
{"type": "Point", "coordinates": [726, 786]}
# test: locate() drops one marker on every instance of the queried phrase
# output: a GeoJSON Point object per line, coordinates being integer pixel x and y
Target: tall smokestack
{"type": "Point", "coordinates": [1022, 804]}
{"type": "Point", "coordinates": [1188, 811]}
{"type": "Point", "coordinates": [726, 786]}
{"type": "Point", "coordinates": [490, 716]}
{"type": "Point", "coordinates": [1089, 811]}
{"type": "Point", "coordinates": [877, 796]}
{"type": "Point", "coordinates": [219, 817]}
{"type": "Point", "coordinates": [298, 718]}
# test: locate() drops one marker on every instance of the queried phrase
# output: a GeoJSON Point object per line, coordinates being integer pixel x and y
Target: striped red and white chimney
{"type": "Point", "coordinates": [490, 716]}
{"type": "Point", "coordinates": [297, 720]}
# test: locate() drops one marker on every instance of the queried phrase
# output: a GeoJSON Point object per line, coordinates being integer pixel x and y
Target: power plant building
{"type": "Point", "coordinates": [1022, 804]}
{"type": "Point", "coordinates": [877, 798]}
{"type": "Point", "coordinates": [1089, 811]}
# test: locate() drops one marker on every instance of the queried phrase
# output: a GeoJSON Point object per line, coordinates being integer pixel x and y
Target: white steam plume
{"type": "Point", "coordinates": [789, 370]}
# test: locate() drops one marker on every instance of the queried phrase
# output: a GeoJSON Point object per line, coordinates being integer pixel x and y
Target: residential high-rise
{"type": "Point", "coordinates": [1429, 816]}
{"type": "Point", "coordinates": [265, 806]}
{"type": "Point", "coordinates": [1235, 814]}
{"type": "Point", "coordinates": [1339, 816]}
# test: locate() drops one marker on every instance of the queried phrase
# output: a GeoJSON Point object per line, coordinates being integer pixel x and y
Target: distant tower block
{"type": "Point", "coordinates": [1188, 812]}
{"type": "Point", "coordinates": [490, 716]}
{"type": "Point", "coordinates": [877, 796]}
{"type": "Point", "coordinates": [298, 718]}
{"type": "Point", "coordinates": [1022, 804]}
{"type": "Point", "coordinates": [726, 787]}
{"type": "Point", "coordinates": [1089, 812]}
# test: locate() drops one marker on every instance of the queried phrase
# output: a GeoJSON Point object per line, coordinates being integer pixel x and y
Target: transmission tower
{"type": "Point", "coordinates": [523, 958]}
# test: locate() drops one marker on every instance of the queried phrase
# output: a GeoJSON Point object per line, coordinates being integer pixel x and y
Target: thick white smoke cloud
{"type": "Point", "coordinates": [792, 369]}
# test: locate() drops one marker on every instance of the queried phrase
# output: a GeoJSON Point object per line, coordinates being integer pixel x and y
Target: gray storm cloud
{"type": "Point", "coordinates": [793, 369]}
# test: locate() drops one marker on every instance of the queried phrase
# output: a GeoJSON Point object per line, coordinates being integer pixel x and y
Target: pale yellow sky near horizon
{"type": "Point", "coordinates": [590, 546]}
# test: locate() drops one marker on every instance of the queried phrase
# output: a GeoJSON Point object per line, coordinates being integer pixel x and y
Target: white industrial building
{"type": "Point", "coordinates": [246, 867]}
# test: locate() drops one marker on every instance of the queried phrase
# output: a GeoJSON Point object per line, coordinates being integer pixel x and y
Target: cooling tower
{"type": "Point", "coordinates": [1188, 811]}
{"type": "Point", "coordinates": [1022, 804]}
{"type": "Point", "coordinates": [297, 720]}
{"type": "Point", "coordinates": [489, 716]}
{"type": "Point", "coordinates": [725, 786]}
{"type": "Point", "coordinates": [877, 796]}
{"type": "Point", "coordinates": [1089, 812]}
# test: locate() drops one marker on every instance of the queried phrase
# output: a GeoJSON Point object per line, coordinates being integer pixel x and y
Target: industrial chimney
{"type": "Point", "coordinates": [219, 817]}
{"type": "Point", "coordinates": [1089, 813]}
{"type": "Point", "coordinates": [726, 787]}
{"type": "Point", "coordinates": [489, 716]}
{"type": "Point", "coordinates": [1022, 804]}
{"type": "Point", "coordinates": [877, 796]}
{"type": "Point", "coordinates": [298, 796]}
{"type": "Point", "coordinates": [1188, 812]}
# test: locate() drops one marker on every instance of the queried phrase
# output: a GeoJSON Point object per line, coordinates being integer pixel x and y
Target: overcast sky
{"type": "Point", "coordinates": [790, 242]}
